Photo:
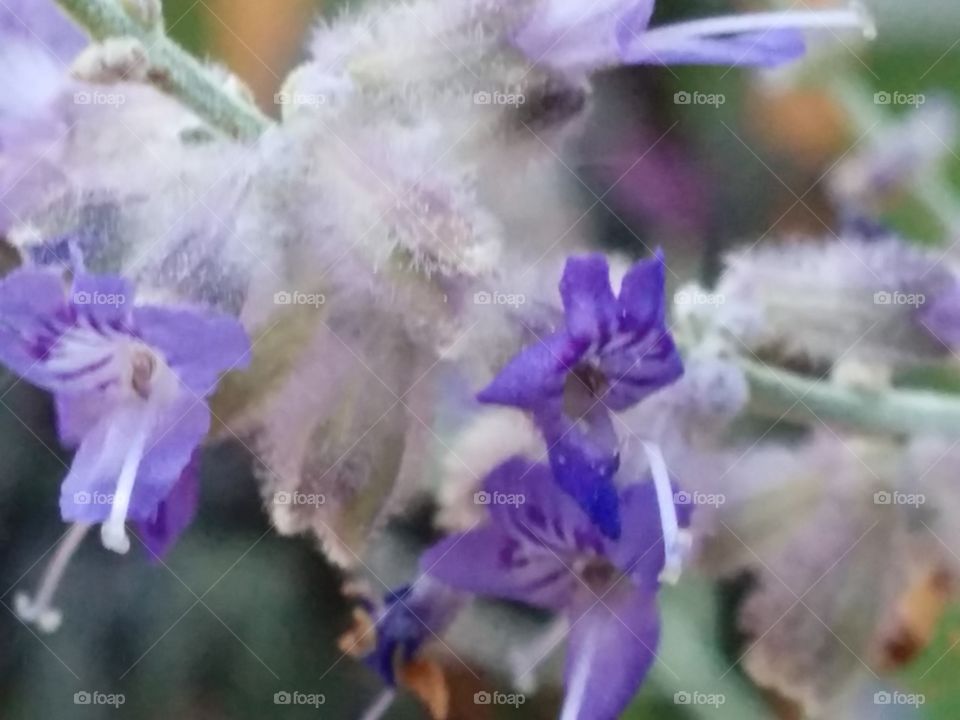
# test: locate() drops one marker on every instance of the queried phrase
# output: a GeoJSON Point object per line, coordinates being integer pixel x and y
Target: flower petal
{"type": "Point", "coordinates": [28, 298]}
{"type": "Point", "coordinates": [588, 300]}
{"type": "Point", "coordinates": [77, 413]}
{"type": "Point", "coordinates": [643, 294]}
{"type": "Point", "coordinates": [526, 502]}
{"type": "Point", "coordinates": [197, 344]}
{"type": "Point", "coordinates": [492, 562]}
{"type": "Point", "coordinates": [584, 458]}
{"type": "Point", "coordinates": [534, 376]}
{"type": "Point", "coordinates": [612, 646]}
{"type": "Point", "coordinates": [104, 301]}
{"type": "Point", "coordinates": [637, 371]}
{"type": "Point", "coordinates": [87, 492]}
{"type": "Point", "coordinates": [763, 49]}
{"type": "Point", "coordinates": [639, 551]}
{"type": "Point", "coordinates": [578, 36]}
{"type": "Point", "coordinates": [175, 512]}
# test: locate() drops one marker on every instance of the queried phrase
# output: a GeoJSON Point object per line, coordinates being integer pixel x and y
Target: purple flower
{"type": "Point", "coordinates": [543, 550]}
{"type": "Point", "coordinates": [411, 616]}
{"type": "Point", "coordinates": [611, 353]}
{"type": "Point", "coordinates": [130, 383]}
{"type": "Point", "coordinates": [583, 37]}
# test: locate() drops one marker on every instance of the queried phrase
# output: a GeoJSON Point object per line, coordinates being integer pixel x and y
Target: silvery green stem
{"type": "Point", "coordinates": [781, 394]}
{"type": "Point", "coordinates": [172, 69]}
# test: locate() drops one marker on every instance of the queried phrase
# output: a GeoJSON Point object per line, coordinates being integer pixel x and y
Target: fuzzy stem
{"type": "Point", "coordinates": [172, 69]}
{"type": "Point", "coordinates": [777, 393]}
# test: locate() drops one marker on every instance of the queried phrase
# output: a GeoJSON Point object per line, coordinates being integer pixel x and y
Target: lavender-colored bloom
{"type": "Point", "coordinates": [611, 353]}
{"type": "Point", "coordinates": [582, 37]}
{"type": "Point", "coordinates": [175, 512]}
{"type": "Point", "coordinates": [411, 615]}
{"type": "Point", "coordinates": [130, 383]}
{"type": "Point", "coordinates": [546, 552]}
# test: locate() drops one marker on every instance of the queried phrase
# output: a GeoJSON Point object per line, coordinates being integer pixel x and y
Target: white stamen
{"type": "Point", "coordinates": [380, 705]}
{"type": "Point", "coordinates": [39, 611]}
{"type": "Point", "coordinates": [576, 691]}
{"type": "Point", "coordinates": [113, 533]}
{"type": "Point", "coordinates": [856, 17]}
{"type": "Point", "coordinates": [676, 543]}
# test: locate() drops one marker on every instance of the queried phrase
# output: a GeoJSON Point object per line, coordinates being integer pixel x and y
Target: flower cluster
{"type": "Point", "coordinates": [349, 238]}
{"type": "Point", "coordinates": [573, 536]}
{"type": "Point", "coordinates": [611, 353]}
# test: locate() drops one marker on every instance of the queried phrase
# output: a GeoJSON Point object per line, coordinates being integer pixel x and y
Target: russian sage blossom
{"type": "Point", "coordinates": [130, 384]}
{"type": "Point", "coordinates": [543, 550]}
{"type": "Point", "coordinates": [582, 37]}
{"type": "Point", "coordinates": [611, 353]}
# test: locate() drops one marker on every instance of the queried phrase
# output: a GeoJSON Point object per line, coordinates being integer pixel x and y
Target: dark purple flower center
{"type": "Point", "coordinates": [582, 389]}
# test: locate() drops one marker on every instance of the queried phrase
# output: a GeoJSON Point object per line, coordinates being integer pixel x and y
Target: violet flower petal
{"type": "Point", "coordinates": [492, 562]}
{"type": "Point", "coordinates": [537, 373]}
{"type": "Point", "coordinates": [198, 346]}
{"type": "Point", "coordinates": [588, 300]}
{"type": "Point", "coordinates": [612, 646]}
{"type": "Point", "coordinates": [174, 514]}
{"type": "Point", "coordinates": [525, 503]}
{"type": "Point", "coordinates": [763, 49]}
{"type": "Point", "coordinates": [88, 490]}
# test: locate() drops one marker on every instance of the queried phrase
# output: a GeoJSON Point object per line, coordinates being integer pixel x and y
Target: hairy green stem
{"type": "Point", "coordinates": [780, 394]}
{"type": "Point", "coordinates": [173, 69]}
